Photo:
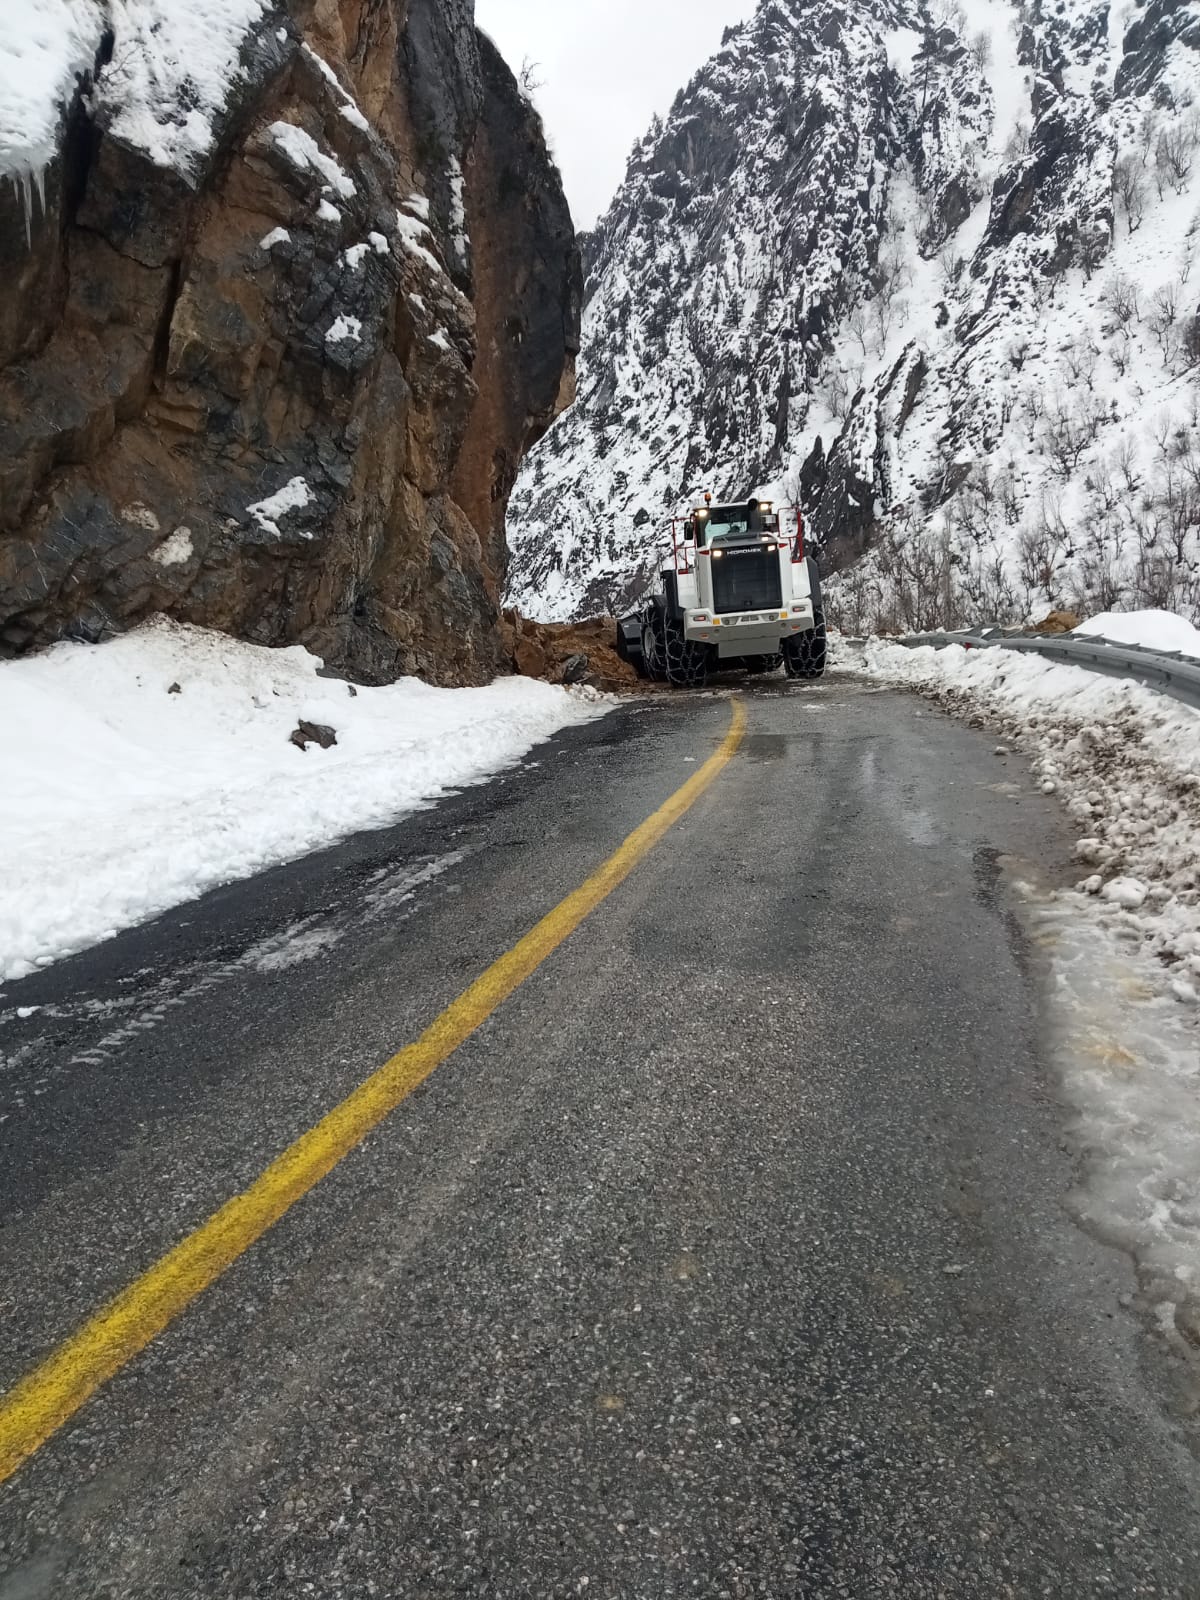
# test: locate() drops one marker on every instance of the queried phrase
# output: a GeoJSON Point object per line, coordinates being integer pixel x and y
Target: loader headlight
{"type": "Point", "coordinates": [766, 505]}
{"type": "Point", "coordinates": [718, 555]}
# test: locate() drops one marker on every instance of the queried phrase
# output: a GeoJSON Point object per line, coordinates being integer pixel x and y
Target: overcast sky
{"type": "Point", "coordinates": [606, 67]}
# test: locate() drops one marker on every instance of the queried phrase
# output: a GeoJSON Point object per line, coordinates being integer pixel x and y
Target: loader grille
{"type": "Point", "coordinates": [747, 579]}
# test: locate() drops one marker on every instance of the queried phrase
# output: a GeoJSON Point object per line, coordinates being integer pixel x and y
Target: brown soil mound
{"type": "Point", "coordinates": [568, 652]}
{"type": "Point", "coordinates": [1057, 622]}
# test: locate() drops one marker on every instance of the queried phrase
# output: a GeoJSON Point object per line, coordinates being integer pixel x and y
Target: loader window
{"type": "Point", "coordinates": [725, 522]}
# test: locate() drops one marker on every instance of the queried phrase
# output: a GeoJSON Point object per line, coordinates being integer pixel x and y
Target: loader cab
{"type": "Point", "coordinates": [717, 525]}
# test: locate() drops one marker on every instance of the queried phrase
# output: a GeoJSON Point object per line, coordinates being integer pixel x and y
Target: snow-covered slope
{"type": "Point", "coordinates": [926, 266]}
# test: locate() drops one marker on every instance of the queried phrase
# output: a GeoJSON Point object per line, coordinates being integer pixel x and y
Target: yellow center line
{"type": "Point", "coordinates": [50, 1395]}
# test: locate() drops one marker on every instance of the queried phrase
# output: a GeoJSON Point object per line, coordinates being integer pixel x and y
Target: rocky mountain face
{"type": "Point", "coordinates": [925, 267]}
{"type": "Point", "coordinates": [288, 290]}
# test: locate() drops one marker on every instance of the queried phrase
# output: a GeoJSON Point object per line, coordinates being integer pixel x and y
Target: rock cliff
{"type": "Point", "coordinates": [276, 329]}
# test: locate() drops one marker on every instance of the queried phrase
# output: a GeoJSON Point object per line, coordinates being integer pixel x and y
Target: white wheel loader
{"type": "Point", "coordinates": [738, 592]}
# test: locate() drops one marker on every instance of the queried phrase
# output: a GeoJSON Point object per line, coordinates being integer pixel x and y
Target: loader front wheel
{"type": "Point", "coordinates": [805, 654]}
{"type": "Point", "coordinates": [687, 659]}
{"type": "Point", "coordinates": [654, 647]}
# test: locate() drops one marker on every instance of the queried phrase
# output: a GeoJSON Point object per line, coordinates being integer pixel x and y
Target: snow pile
{"type": "Point", "coordinates": [1124, 761]}
{"type": "Point", "coordinates": [1155, 630]}
{"type": "Point", "coordinates": [142, 772]}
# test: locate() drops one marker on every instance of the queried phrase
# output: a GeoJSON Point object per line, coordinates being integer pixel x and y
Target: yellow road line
{"type": "Point", "coordinates": [51, 1394]}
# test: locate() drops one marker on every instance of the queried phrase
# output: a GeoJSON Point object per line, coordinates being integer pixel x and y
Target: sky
{"type": "Point", "coordinates": [605, 66]}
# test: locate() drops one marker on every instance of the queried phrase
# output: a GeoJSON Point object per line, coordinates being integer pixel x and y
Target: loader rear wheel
{"type": "Point", "coordinates": [687, 659]}
{"type": "Point", "coordinates": [629, 644]}
{"type": "Point", "coordinates": [757, 664]}
{"type": "Point", "coordinates": [804, 654]}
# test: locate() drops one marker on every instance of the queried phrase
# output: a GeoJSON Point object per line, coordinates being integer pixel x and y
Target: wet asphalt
{"type": "Point", "coordinates": [729, 1258]}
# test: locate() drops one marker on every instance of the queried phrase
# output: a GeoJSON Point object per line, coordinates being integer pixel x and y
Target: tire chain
{"type": "Point", "coordinates": [805, 653]}
{"type": "Point", "coordinates": [687, 661]}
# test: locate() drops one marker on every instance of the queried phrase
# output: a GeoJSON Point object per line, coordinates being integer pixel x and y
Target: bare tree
{"type": "Point", "coordinates": [1129, 187]}
{"type": "Point", "coordinates": [1120, 298]}
{"type": "Point", "coordinates": [1018, 146]}
{"type": "Point", "coordinates": [528, 79]}
{"type": "Point", "coordinates": [1175, 155]}
{"type": "Point", "coordinates": [1163, 319]}
{"type": "Point", "coordinates": [981, 51]}
{"type": "Point", "coordinates": [1080, 361]}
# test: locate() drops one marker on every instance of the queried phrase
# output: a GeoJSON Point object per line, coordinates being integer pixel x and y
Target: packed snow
{"type": "Point", "coordinates": [171, 72]}
{"type": "Point", "coordinates": [416, 237]}
{"type": "Point", "coordinates": [303, 151]}
{"type": "Point", "coordinates": [1121, 948]}
{"type": "Point", "coordinates": [191, 778]}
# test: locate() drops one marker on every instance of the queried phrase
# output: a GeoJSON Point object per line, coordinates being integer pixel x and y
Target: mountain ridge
{"type": "Point", "coordinates": [873, 259]}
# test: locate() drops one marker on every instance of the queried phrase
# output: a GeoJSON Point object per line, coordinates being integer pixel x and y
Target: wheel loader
{"type": "Point", "coordinates": [739, 591]}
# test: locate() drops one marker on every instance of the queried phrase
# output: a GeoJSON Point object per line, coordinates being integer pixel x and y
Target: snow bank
{"type": "Point", "coordinates": [142, 772]}
{"type": "Point", "coordinates": [1157, 630]}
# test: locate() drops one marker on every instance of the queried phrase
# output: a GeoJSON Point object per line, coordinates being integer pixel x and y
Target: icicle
{"type": "Point", "coordinates": [22, 180]}
{"type": "Point", "coordinates": [29, 183]}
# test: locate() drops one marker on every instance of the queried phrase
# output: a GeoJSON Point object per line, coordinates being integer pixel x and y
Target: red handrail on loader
{"type": "Point", "coordinates": [684, 549]}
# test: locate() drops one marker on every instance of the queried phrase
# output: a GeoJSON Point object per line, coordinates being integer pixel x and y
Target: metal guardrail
{"type": "Point", "coordinates": [1169, 672]}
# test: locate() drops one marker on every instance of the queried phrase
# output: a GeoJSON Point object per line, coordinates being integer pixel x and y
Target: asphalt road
{"type": "Point", "coordinates": [727, 1259]}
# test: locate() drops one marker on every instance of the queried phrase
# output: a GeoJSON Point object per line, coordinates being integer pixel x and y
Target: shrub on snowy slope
{"type": "Point", "coordinates": [928, 265]}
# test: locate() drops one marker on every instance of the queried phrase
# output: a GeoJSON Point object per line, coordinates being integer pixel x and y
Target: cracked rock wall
{"type": "Point", "coordinates": [284, 390]}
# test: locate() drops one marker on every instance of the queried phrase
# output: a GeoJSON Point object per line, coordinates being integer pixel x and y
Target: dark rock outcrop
{"type": "Point", "coordinates": [286, 394]}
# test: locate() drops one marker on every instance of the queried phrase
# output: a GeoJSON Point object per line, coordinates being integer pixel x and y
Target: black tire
{"type": "Point", "coordinates": [686, 659]}
{"type": "Point", "coordinates": [757, 664]}
{"type": "Point", "coordinates": [629, 644]}
{"type": "Point", "coordinates": [805, 654]}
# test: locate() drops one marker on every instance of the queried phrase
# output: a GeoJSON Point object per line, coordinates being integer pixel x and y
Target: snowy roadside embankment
{"type": "Point", "coordinates": [142, 772]}
{"type": "Point", "coordinates": [1122, 949]}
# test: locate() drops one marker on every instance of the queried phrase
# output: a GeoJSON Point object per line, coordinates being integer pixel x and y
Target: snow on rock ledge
{"type": "Point", "coordinates": [207, 774]}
